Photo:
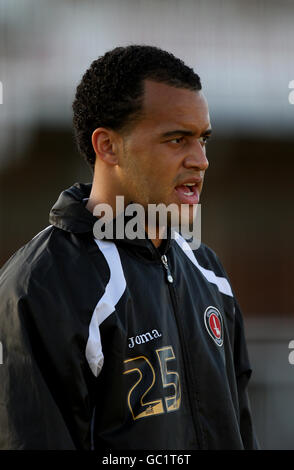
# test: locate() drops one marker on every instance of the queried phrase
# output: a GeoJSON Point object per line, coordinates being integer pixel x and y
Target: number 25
{"type": "Point", "coordinates": [137, 405]}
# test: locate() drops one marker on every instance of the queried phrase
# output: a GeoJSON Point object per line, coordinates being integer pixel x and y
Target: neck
{"type": "Point", "coordinates": [155, 234]}
{"type": "Point", "coordinates": [101, 195]}
{"type": "Point", "coordinates": [159, 234]}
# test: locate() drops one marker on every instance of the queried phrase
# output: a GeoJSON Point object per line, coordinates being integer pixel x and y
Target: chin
{"type": "Point", "coordinates": [179, 215]}
{"type": "Point", "coordinates": [189, 218]}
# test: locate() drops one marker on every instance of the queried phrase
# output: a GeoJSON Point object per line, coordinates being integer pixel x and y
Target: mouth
{"type": "Point", "coordinates": [188, 192]}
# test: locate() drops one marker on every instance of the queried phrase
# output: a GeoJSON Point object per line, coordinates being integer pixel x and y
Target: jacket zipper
{"type": "Point", "coordinates": [166, 266]}
{"type": "Point", "coordinates": [188, 372]}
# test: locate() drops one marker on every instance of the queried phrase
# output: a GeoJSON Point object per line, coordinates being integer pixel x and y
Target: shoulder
{"type": "Point", "coordinates": [56, 272]}
{"type": "Point", "coordinates": [53, 256]}
{"type": "Point", "coordinates": [209, 259]}
{"type": "Point", "coordinates": [17, 270]}
{"type": "Point", "coordinates": [208, 264]}
{"type": "Point", "coordinates": [204, 255]}
{"type": "Point", "coordinates": [38, 253]}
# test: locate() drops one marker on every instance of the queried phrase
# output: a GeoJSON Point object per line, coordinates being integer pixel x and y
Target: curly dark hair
{"type": "Point", "coordinates": [110, 93]}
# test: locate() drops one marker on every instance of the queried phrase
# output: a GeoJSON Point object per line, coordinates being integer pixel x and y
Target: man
{"type": "Point", "coordinates": [125, 343]}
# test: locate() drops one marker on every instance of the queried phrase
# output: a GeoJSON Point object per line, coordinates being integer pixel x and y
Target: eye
{"type": "Point", "coordinates": [204, 139]}
{"type": "Point", "coordinates": [177, 140]}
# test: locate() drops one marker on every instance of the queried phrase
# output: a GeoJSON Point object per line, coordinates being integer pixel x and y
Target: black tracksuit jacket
{"type": "Point", "coordinates": [119, 345]}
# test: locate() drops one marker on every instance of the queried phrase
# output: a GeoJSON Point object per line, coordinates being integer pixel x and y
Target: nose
{"type": "Point", "coordinates": [196, 157]}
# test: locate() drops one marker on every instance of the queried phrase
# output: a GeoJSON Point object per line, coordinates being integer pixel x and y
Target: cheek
{"type": "Point", "coordinates": [153, 171]}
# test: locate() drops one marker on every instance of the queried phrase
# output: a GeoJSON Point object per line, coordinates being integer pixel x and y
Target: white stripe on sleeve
{"type": "Point", "coordinates": [106, 305]}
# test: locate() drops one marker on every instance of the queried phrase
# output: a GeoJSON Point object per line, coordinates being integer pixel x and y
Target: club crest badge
{"type": "Point", "coordinates": [214, 324]}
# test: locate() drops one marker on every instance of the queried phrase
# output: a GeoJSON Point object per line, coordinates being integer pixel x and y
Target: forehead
{"type": "Point", "coordinates": [165, 106]}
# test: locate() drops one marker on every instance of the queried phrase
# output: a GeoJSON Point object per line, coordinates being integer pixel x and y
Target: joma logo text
{"type": "Point", "coordinates": [143, 338]}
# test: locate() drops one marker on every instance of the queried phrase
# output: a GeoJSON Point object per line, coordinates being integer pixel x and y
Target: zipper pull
{"type": "Point", "coordinates": [168, 273]}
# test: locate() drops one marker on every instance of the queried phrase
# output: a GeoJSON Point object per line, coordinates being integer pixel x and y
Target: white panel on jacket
{"type": "Point", "coordinates": [106, 305]}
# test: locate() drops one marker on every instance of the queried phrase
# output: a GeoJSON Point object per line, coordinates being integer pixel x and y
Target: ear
{"type": "Point", "coordinates": [105, 143]}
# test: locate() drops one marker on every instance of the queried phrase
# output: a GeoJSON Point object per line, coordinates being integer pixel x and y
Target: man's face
{"type": "Point", "coordinates": [164, 158]}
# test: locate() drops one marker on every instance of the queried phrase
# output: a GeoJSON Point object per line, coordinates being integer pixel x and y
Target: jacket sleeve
{"type": "Point", "coordinates": [242, 365]}
{"type": "Point", "coordinates": [243, 374]}
{"type": "Point", "coordinates": [44, 389]}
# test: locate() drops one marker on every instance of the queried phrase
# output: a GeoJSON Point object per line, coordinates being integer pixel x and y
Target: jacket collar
{"type": "Point", "coordinates": [69, 213]}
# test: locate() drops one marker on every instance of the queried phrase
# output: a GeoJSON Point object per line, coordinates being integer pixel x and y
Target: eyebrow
{"type": "Point", "coordinates": [185, 132]}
